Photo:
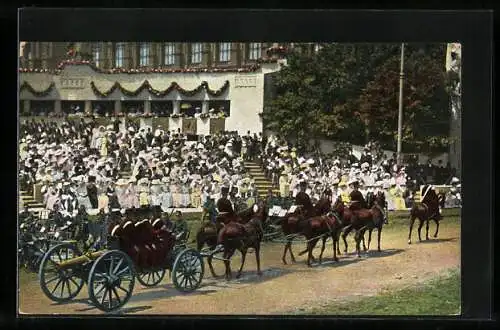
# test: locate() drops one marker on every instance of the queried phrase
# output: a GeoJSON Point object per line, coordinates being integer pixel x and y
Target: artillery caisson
{"type": "Point", "coordinates": [141, 250]}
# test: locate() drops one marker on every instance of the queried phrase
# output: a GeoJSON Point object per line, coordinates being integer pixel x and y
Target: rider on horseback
{"type": "Point", "coordinates": [303, 199]}
{"type": "Point", "coordinates": [431, 200]}
{"type": "Point", "coordinates": [357, 200]}
{"type": "Point", "coordinates": [224, 205]}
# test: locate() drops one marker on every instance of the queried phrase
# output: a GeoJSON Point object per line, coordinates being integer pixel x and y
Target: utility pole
{"type": "Point", "coordinates": [400, 115]}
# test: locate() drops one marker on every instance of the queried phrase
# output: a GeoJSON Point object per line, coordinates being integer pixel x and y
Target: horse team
{"type": "Point", "coordinates": [245, 230]}
{"type": "Point", "coordinates": [322, 221]}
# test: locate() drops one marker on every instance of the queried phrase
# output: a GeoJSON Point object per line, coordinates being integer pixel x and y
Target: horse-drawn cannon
{"type": "Point", "coordinates": [142, 250]}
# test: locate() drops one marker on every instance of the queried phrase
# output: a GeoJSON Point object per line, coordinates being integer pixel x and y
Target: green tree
{"type": "Point", "coordinates": [425, 103]}
{"type": "Point", "coordinates": [293, 114]}
{"type": "Point", "coordinates": [349, 92]}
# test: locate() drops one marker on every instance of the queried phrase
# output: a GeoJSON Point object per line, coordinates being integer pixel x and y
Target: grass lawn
{"type": "Point", "coordinates": [440, 296]}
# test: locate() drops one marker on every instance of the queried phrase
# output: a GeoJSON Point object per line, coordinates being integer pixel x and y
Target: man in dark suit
{"type": "Point", "coordinates": [92, 192]}
{"type": "Point", "coordinates": [357, 199]}
{"type": "Point", "coordinates": [303, 199]}
{"type": "Point", "coordinates": [224, 204]}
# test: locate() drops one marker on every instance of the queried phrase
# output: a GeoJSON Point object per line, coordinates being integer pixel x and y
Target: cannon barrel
{"type": "Point", "coordinates": [81, 259]}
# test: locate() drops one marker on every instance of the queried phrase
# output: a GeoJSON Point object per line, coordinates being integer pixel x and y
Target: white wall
{"type": "Point", "coordinates": [174, 124]}
{"type": "Point", "coordinates": [245, 92]}
{"type": "Point", "coordinates": [203, 126]}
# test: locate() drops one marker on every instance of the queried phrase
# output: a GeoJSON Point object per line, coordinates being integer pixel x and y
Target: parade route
{"type": "Point", "coordinates": [284, 288]}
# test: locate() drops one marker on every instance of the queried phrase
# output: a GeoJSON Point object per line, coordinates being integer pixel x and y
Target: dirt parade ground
{"type": "Point", "coordinates": [283, 289]}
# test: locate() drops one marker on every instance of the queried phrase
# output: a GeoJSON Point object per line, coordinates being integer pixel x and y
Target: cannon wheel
{"type": "Point", "coordinates": [60, 284]}
{"type": "Point", "coordinates": [188, 270]}
{"type": "Point", "coordinates": [149, 278]}
{"type": "Point", "coordinates": [111, 280]}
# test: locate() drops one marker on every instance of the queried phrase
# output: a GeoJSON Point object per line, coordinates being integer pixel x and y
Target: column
{"type": "Point", "coordinates": [27, 107]}
{"type": "Point", "coordinates": [57, 106]}
{"type": "Point", "coordinates": [88, 107]}
{"type": "Point", "coordinates": [204, 107]}
{"type": "Point", "coordinates": [177, 107]}
{"type": "Point", "coordinates": [147, 106]}
{"type": "Point", "coordinates": [118, 107]}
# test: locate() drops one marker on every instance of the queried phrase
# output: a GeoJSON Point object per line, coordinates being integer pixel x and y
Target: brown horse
{"type": "Point", "coordinates": [237, 236]}
{"type": "Point", "coordinates": [360, 220]}
{"type": "Point", "coordinates": [378, 201]}
{"type": "Point", "coordinates": [296, 224]}
{"type": "Point", "coordinates": [345, 214]}
{"type": "Point", "coordinates": [207, 234]}
{"type": "Point", "coordinates": [425, 211]}
{"type": "Point", "coordinates": [367, 219]}
{"type": "Point", "coordinates": [321, 227]}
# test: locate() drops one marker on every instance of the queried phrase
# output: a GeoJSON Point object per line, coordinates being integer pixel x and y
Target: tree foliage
{"type": "Point", "coordinates": [350, 92]}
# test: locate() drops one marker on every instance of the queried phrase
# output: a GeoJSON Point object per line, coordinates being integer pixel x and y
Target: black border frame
{"type": "Point", "coordinates": [473, 29]}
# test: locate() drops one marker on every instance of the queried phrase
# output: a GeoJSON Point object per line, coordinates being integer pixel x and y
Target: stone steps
{"type": "Point", "coordinates": [261, 182]}
{"type": "Point", "coordinates": [26, 199]}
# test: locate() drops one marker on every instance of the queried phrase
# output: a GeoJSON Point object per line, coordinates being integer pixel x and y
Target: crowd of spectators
{"type": "Point", "coordinates": [79, 162]}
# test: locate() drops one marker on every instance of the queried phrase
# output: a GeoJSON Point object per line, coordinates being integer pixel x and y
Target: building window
{"type": "Point", "coordinates": [46, 49]}
{"type": "Point", "coordinates": [224, 51]}
{"type": "Point", "coordinates": [255, 51]}
{"type": "Point", "coordinates": [196, 53]}
{"type": "Point", "coordinates": [169, 53]}
{"type": "Point", "coordinates": [96, 54]}
{"type": "Point", "coordinates": [119, 54]}
{"type": "Point", "coordinates": [219, 109]}
{"type": "Point", "coordinates": [144, 54]}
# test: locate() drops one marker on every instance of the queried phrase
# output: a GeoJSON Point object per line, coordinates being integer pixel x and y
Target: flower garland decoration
{"type": "Point", "coordinates": [267, 60]}
{"type": "Point", "coordinates": [142, 70]}
{"type": "Point", "coordinates": [280, 50]}
{"type": "Point", "coordinates": [147, 86]}
{"type": "Point", "coordinates": [26, 85]}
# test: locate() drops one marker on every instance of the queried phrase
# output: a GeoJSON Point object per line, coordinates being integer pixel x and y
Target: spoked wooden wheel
{"type": "Point", "coordinates": [152, 277]}
{"type": "Point", "coordinates": [60, 283]}
{"type": "Point", "coordinates": [188, 270]}
{"type": "Point", "coordinates": [111, 280]}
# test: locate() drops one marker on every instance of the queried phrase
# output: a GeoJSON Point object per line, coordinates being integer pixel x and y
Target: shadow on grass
{"type": "Point", "coordinates": [329, 262]}
{"type": "Point", "coordinates": [131, 310]}
{"type": "Point", "coordinates": [250, 276]}
{"type": "Point", "coordinates": [165, 291]}
{"type": "Point", "coordinates": [438, 240]}
{"type": "Point", "coordinates": [121, 311]}
{"type": "Point", "coordinates": [353, 258]}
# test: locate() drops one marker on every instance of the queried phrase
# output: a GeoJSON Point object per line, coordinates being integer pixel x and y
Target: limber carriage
{"type": "Point", "coordinates": [140, 249]}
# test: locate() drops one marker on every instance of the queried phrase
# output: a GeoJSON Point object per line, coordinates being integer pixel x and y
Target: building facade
{"type": "Point", "coordinates": [182, 81]}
